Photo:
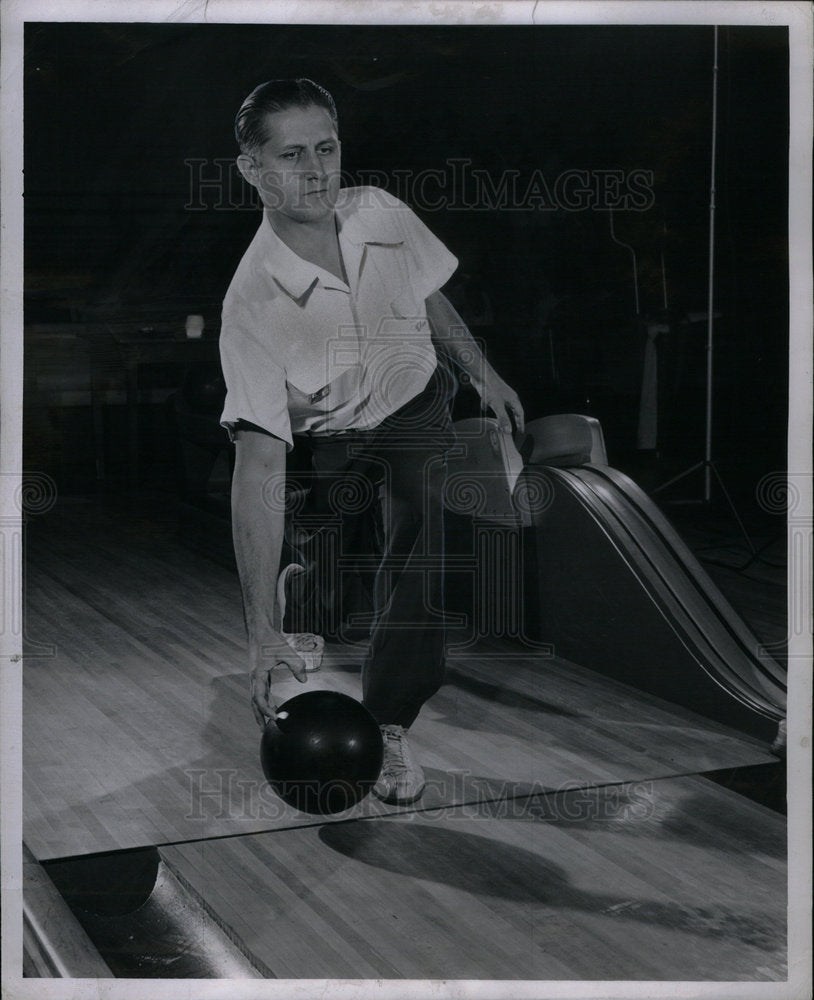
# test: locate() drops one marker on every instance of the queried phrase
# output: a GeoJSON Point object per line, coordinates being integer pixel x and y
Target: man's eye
{"type": "Point", "coordinates": [327, 150]}
{"type": "Point", "coordinates": [290, 156]}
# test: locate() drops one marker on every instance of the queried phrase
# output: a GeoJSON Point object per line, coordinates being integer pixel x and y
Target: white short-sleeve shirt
{"type": "Point", "coordinates": [303, 352]}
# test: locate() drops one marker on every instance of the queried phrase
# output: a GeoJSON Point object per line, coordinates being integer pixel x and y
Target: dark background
{"type": "Point", "coordinates": [116, 228]}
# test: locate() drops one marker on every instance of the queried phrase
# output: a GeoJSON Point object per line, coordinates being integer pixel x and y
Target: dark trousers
{"type": "Point", "coordinates": [375, 508]}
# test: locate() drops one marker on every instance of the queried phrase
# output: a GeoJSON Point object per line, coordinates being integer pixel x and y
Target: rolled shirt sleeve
{"type": "Point", "coordinates": [256, 385]}
{"type": "Point", "coordinates": [435, 265]}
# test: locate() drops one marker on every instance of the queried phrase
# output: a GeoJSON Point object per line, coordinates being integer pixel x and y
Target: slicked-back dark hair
{"type": "Point", "coordinates": [251, 123]}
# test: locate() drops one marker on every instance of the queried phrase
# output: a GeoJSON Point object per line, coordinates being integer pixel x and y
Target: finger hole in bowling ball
{"type": "Point", "coordinates": [328, 755]}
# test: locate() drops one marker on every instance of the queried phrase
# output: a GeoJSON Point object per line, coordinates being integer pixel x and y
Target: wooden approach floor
{"type": "Point", "coordinates": [565, 833]}
{"type": "Point", "coordinates": [138, 730]}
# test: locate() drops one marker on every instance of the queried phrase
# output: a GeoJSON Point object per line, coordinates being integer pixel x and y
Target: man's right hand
{"type": "Point", "coordinates": [263, 658]}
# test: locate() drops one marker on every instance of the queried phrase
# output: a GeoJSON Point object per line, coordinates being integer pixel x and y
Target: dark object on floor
{"type": "Point", "coordinates": [107, 884]}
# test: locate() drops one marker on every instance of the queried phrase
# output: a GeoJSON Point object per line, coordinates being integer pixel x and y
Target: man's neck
{"type": "Point", "coordinates": [316, 240]}
{"type": "Point", "coordinates": [307, 235]}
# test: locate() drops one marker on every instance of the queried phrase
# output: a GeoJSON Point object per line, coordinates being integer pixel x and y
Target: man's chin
{"type": "Point", "coordinates": [312, 208]}
{"type": "Point", "coordinates": [311, 213]}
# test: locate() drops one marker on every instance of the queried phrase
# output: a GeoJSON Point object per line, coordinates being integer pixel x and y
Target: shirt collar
{"type": "Point", "coordinates": [295, 275]}
{"type": "Point", "coordinates": [298, 276]}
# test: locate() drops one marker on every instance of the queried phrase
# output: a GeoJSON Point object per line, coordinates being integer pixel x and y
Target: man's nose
{"type": "Point", "coordinates": [311, 164]}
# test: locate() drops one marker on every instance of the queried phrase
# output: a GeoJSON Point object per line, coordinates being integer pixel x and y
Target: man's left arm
{"type": "Point", "coordinates": [450, 335]}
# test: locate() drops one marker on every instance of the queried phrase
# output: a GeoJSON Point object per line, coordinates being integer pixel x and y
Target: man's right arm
{"type": "Point", "coordinates": [258, 522]}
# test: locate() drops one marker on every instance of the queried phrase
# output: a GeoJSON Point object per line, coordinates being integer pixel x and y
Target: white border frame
{"type": "Point", "coordinates": [798, 17]}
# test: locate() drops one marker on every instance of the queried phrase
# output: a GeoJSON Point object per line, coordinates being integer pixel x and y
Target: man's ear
{"type": "Point", "coordinates": [248, 168]}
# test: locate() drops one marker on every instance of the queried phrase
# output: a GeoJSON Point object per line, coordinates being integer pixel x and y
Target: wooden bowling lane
{"type": "Point", "coordinates": [673, 879]}
{"type": "Point", "coordinates": [137, 731]}
{"type": "Point", "coordinates": [147, 753]}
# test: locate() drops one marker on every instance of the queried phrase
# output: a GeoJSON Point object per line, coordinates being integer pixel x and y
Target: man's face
{"type": "Point", "coordinates": [297, 170]}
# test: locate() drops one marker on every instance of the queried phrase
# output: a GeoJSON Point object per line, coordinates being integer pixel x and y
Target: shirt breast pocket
{"type": "Point", "coordinates": [406, 306]}
{"type": "Point", "coordinates": [408, 320]}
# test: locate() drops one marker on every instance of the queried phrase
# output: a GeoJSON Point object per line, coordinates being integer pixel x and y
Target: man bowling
{"type": "Point", "coordinates": [335, 331]}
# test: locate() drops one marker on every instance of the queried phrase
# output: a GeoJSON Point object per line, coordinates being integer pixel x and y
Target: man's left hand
{"type": "Point", "coordinates": [503, 401]}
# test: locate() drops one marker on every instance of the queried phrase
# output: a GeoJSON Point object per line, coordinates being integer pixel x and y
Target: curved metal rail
{"type": "Point", "coordinates": [618, 591]}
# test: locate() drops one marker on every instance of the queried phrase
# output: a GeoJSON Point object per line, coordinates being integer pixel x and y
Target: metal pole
{"type": "Point", "coordinates": [627, 246]}
{"type": "Point", "coordinates": [711, 297]}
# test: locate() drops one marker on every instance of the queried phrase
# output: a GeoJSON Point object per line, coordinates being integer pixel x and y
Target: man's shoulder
{"type": "Point", "coordinates": [368, 194]}
{"type": "Point", "coordinates": [247, 291]}
{"type": "Point", "coordinates": [368, 199]}
{"type": "Point", "coordinates": [251, 277]}
{"type": "Point", "coordinates": [375, 213]}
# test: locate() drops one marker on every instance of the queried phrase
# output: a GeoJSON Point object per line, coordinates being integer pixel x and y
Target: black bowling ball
{"type": "Point", "coordinates": [322, 753]}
